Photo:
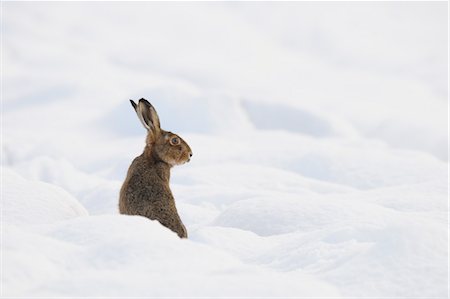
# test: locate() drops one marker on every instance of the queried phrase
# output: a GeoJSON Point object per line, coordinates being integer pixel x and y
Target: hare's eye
{"type": "Point", "coordinates": [174, 141]}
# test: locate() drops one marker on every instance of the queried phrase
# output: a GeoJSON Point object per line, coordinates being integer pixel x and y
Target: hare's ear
{"type": "Point", "coordinates": [146, 114]}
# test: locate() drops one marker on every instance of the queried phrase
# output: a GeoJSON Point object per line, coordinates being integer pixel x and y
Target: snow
{"type": "Point", "coordinates": [319, 138]}
{"type": "Point", "coordinates": [34, 203]}
{"type": "Point", "coordinates": [97, 253]}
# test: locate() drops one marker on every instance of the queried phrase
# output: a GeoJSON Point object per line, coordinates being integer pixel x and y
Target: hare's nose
{"type": "Point", "coordinates": [190, 155]}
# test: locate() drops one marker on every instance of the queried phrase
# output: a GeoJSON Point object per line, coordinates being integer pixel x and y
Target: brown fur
{"type": "Point", "coordinates": [146, 190]}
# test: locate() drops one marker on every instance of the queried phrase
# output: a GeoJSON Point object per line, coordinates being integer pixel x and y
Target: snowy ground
{"type": "Point", "coordinates": [319, 133]}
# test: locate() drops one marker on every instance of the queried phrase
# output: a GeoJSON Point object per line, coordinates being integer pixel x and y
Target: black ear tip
{"type": "Point", "coordinates": [133, 104]}
{"type": "Point", "coordinates": [145, 101]}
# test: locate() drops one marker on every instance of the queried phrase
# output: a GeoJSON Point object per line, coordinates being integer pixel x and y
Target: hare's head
{"type": "Point", "coordinates": [165, 146]}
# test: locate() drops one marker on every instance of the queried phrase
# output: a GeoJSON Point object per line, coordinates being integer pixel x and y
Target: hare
{"type": "Point", "coordinates": [146, 190]}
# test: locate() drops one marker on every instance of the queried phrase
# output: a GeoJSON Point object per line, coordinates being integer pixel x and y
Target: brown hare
{"type": "Point", "coordinates": [146, 190]}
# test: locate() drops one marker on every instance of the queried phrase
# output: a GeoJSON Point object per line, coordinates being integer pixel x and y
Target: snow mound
{"type": "Point", "coordinates": [97, 195]}
{"type": "Point", "coordinates": [132, 256]}
{"type": "Point", "coordinates": [31, 202]}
